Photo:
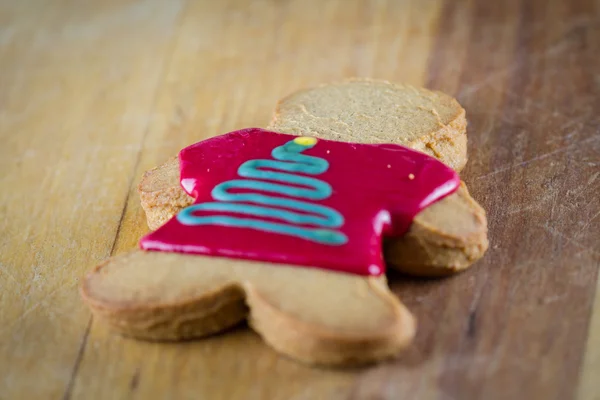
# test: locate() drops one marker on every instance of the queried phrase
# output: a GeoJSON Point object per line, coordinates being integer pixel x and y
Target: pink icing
{"type": "Point", "coordinates": [378, 189]}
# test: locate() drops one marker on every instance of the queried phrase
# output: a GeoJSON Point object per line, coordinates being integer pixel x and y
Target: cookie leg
{"type": "Point", "coordinates": [329, 318]}
{"type": "Point", "coordinates": [162, 296]}
{"type": "Point", "coordinates": [309, 314]}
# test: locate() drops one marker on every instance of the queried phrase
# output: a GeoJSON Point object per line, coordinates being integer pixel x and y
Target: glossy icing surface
{"type": "Point", "coordinates": [279, 198]}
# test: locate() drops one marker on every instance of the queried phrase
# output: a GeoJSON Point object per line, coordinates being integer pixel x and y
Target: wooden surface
{"type": "Point", "coordinates": [94, 93]}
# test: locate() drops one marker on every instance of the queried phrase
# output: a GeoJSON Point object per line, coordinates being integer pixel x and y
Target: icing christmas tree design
{"type": "Point", "coordinates": [288, 158]}
{"type": "Point", "coordinates": [301, 201]}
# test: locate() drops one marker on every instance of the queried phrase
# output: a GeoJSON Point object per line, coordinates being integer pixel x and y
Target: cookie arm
{"type": "Point", "coordinates": [445, 238]}
{"type": "Point", "coordinates": [161, 195]}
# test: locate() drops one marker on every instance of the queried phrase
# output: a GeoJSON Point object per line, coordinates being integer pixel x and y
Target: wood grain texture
{"type": "Point", "coordinates": [94, 93]}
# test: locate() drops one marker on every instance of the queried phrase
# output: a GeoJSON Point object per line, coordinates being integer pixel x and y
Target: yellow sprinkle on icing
{"type": "Point", "coordinates": [305, 141]}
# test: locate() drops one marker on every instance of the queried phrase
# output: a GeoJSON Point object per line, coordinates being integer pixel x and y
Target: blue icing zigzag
{"type": "Point", "coordinates": [290, 160]}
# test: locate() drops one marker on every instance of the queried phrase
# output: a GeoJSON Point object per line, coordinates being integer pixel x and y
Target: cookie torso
{"type": "Point", "coordinates": [299, 200]}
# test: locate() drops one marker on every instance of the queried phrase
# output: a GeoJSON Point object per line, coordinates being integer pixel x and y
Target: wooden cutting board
{"type": "Point", "coordinates": [94, 93]}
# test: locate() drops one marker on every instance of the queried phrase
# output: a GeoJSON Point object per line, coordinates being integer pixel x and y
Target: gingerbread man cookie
{"type": "Point", "coordinates": [286, 232]}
